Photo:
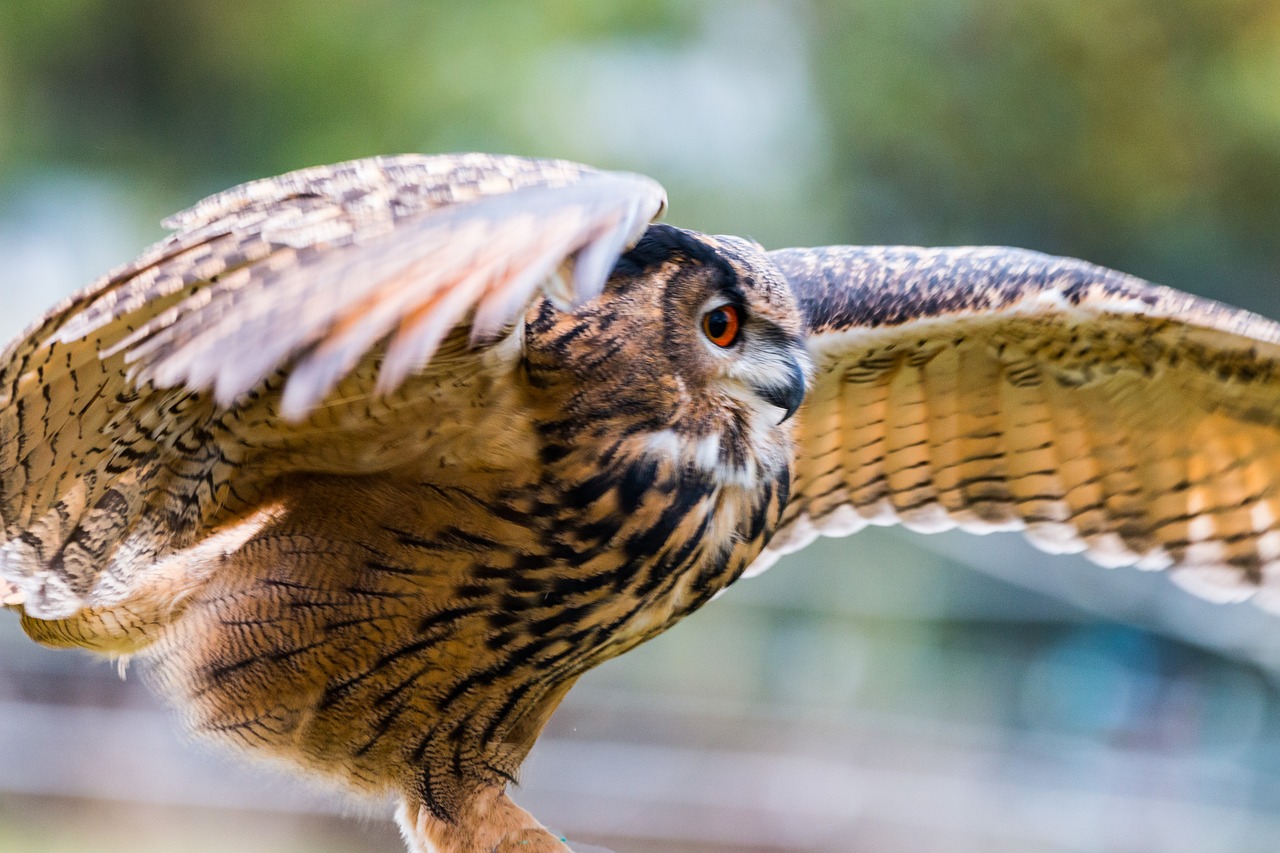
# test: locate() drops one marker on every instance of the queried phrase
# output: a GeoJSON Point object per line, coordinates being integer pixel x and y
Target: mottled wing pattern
{"type": "Point", "coordinates": [323, 320]}
{"type": "Point", "coordinates": [997, 389]}
{"type": "Point", "coordinates": [319, 265]}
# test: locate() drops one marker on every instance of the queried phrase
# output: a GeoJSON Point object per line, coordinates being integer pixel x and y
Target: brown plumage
{"type": "Point", "coordinates": [369, 462]}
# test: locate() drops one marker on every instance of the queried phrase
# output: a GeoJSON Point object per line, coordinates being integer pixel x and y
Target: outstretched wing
{"type": "Point", "coordinates": [339, 318]}
{"type": "Point", "coordinates": [1001, 389]}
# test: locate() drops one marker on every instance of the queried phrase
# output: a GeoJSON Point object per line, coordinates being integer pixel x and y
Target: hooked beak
{"type": "Point", "coordinates": [787, 395]}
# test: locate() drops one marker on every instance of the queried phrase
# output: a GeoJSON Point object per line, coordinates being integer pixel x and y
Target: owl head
{"type": "Point", "coordinates": [696, 341]}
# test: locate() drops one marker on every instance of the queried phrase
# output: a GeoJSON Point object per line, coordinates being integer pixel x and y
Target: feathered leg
{"type": "Point", "coordinates": [489, 823]}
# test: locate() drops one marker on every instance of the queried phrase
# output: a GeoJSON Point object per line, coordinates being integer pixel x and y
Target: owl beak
{"type": "Point", "coordinates": [787, 395]}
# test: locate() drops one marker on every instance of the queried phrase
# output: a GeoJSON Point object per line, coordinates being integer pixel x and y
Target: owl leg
{"type": "Point", "coordinates": [489, 823]}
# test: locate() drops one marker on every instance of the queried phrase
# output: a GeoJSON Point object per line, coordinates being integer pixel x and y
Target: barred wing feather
{"type": "Point", "coordinates": [338, 319]}
{"type": "Point", "coordinates": [1000, 389]}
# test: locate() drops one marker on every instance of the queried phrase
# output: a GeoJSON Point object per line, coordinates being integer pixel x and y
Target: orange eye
{"type": "Point", "coordinates": [721, 325]}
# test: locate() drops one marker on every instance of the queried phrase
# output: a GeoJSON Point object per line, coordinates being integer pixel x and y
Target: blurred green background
{"type": "Point", "coordinates": [882, 693]}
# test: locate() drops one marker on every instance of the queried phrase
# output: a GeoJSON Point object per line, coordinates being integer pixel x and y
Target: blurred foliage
{"type": "Point", "coordinates": [194, 91]}
{"type": "Point", "coordinates": [1143, 134]}
{"type": "Point", "coordinates": [1077, 127]}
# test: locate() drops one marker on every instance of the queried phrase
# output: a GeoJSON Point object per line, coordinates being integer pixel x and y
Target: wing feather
{"type": "Point", "coordinates": [328, 293]}
{"type": "Point", "coordinates": [343, 318]}
{"type": "Point", "coordinates": [996, 389]}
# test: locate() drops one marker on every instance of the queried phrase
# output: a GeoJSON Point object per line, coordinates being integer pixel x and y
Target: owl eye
{"type": "Point", "coordinates": [721, 325]}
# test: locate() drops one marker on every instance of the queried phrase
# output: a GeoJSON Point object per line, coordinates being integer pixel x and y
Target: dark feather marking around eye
{"type": "Point", "coordinates": [660, 243]}
{"type": "Point", "coordinates": [770, 333]}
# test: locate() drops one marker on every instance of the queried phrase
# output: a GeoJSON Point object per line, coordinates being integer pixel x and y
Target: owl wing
{"type": "Point", "coordinates": [324, 320]}
{"type": "Point", "coordinates": [1001, 389]}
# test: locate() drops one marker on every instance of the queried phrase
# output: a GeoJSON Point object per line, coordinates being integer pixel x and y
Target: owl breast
{"type": "Point", "coordinates": [692, 510]}
{"type": "Point", "coordinates": [377, 630]}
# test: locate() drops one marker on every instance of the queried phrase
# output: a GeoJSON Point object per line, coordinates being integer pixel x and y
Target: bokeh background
{"type": "Point", "coordinates": [882, 693]}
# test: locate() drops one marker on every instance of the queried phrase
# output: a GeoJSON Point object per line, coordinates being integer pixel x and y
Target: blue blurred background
{"type": "Point", "coordinates": [883, 693]}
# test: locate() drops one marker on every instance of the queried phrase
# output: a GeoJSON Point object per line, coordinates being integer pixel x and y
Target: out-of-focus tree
{"type": "Point", "coordinates": [1141, 134]}
{"type": "Point", "coordinates": [195, 92]}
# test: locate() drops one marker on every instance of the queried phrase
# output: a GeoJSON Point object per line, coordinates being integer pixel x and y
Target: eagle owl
{"type": "Point", "coordinates": [369, 462]}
